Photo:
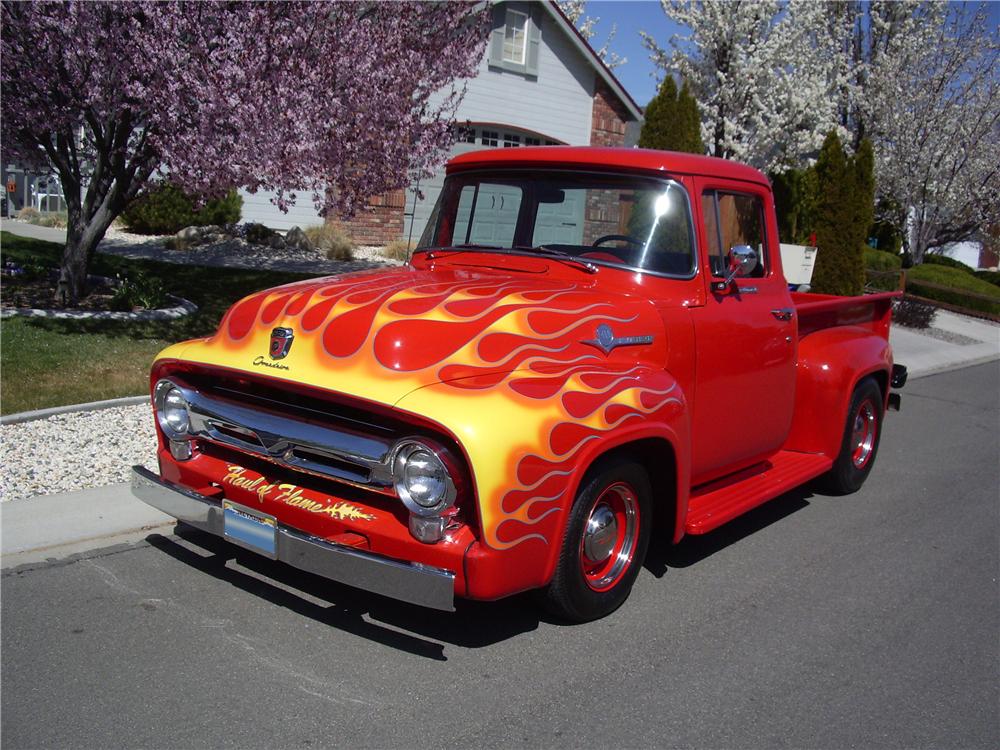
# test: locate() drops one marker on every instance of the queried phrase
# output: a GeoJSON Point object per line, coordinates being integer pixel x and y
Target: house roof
{"type": "Point", "coordinates": [603, 71]}
{"type": "Point", "coordinates": [583, 157]}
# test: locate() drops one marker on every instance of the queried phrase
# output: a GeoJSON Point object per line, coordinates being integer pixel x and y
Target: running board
{"type": "Point", "coordinates": [715, 503]}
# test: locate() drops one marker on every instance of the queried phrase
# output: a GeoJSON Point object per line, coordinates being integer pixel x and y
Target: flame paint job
{"type": "Point", "coordinates": [533, 393]}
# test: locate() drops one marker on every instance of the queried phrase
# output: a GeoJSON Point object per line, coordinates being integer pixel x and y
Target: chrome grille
{"type": "Point", "coordinates": [324, 448]}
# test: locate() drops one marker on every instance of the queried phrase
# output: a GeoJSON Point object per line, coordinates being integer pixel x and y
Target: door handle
{"type": "Point", "coordinates": [783, 313]}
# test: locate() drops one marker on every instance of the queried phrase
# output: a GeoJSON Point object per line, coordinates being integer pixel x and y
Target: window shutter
{"type": "Point", "coordinates": [496, 36]}
{"type": "Point", "coordinates": [534, 41]}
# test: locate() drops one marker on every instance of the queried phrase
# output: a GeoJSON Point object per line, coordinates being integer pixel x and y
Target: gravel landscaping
{"type": "Point", "coordinates": [238, 253]}
{"type": "Point", "coordinates": [75, 451]}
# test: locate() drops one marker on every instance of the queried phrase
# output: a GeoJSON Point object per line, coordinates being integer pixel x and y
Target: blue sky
{"type": "Point", "coordinates": [638, 75]}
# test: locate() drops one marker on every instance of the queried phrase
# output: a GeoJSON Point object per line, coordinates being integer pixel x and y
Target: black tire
{"type": "Point", "coordinates": [858, 447]}
{"type": "Point", "coordinates": [596, 570]}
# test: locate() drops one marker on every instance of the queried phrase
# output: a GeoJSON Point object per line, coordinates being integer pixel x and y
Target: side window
{"type": "Point", "coordinates": [733, 219]}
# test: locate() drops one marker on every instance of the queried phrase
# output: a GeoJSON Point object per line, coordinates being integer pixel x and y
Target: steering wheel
{"type": "Point", "coordinates": [617, 238]}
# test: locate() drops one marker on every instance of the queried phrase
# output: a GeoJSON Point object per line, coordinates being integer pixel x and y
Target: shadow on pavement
{"type": "Point", "coordinates": [396, 624]}
{"type": "Point", "coordinates": [693, 548]}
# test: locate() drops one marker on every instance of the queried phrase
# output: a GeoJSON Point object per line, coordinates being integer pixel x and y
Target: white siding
{"type": "Point", "coordinates": [259, 209]}
{"type": "Point", "coordinates": [557, 103]}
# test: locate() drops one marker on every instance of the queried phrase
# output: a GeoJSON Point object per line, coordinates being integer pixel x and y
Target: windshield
{"type": "Point", "coordinates": [630, 221]}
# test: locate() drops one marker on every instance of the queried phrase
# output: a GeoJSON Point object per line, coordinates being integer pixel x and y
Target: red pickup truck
{"type": "Point", "coordinates": [590, 346]}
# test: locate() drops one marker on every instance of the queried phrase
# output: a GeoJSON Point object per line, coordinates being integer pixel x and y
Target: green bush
{"type": "Point", "coordinates": [960, 282]}
{"type": "Point", "coordinates": [167, 209]}
{"type": "Point", "coordinates": [882, 269]}
{"type": "Point", "coordinates": [138, 290]}
{"type": "Point", "coordinates": [944, 260]}
{"type": "Point", "coordinates": [879, 260]}
{"type": "Point", "coordinates": [993, 277]}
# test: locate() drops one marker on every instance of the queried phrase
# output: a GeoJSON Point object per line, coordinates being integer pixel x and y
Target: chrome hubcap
{"type": "Point", "coordinates": [863, 434]}
{"type": "Point", "coordinates": [600, 535]}
{"type": "Point", "coordinates": [609, 537]}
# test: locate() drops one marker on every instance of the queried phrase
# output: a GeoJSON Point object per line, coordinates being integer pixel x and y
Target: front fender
{"type": "Point", "coordinates": [831, 362]}
{"type": "Point", "coordinates": [530, 440]}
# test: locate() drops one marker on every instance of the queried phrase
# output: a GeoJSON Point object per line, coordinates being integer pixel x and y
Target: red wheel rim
{"type": "Point", "coordinates": [607, 546]}
{"type": "Point", "coordinates": [864, 429]}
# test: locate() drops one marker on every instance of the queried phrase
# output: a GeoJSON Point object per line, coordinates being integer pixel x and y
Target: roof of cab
{"type": "Point", "coordinates": [582, 157]}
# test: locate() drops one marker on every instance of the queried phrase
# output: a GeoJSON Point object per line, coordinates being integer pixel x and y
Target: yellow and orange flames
{"type": "Point", "coordinates": [501, 363]}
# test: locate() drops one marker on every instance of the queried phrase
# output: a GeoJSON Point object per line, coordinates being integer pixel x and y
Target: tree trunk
{"type": "Point", "coordinates": [82, 236]}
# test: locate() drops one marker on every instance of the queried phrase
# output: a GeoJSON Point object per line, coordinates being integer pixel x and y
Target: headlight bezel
{"type": "Point", "coordinates": [404, 451]}
{"type": "Point", "coordinates": [161, 392]}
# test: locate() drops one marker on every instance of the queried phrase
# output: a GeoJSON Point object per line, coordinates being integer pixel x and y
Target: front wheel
{"type": "Point", "coordinates": [605, 542]}
{"type": "Point", "coordinates": [860, 442]}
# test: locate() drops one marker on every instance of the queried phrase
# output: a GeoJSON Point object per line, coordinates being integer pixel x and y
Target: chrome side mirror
{"type": "Point", "coordinates": [742, 262]}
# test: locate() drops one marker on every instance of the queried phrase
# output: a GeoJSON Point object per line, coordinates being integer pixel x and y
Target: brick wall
{"type": "Point", "coordinates": [379, 222]}
{"type": "Point", "coordinates": [607, 119]}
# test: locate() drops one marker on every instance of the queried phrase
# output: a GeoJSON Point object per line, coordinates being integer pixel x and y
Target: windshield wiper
{"type": "Point", "coordinates": [435, 252]}
{"type": "Point", "coordinates": [560, 255]}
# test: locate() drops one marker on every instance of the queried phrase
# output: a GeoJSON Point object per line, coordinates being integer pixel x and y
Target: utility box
{"type": "Point", "coordinates": [798, 262]}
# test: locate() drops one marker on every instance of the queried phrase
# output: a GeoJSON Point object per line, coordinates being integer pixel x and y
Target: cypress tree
{"type": "Point", "coordinates": [844, 214]}
{"type": "Point", "coordinates": [671, 120]}
{"type": "Point", "coordinates": [689, 139]}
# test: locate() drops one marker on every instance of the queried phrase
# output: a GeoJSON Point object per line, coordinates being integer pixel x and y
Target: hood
{"type": "Point", "coordinates": [381, 335]}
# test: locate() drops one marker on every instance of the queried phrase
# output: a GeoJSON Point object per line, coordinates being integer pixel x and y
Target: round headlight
{"type": "Point", "coordinates": [172, 410]}
{"type": "Point", "coordinates": [421, 479]}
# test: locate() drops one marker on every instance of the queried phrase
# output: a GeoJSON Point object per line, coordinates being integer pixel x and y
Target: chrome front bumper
{"type": "Point", "coordinates": [408, 582]}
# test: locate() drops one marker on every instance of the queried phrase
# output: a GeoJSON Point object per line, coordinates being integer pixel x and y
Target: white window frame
{"type": "Point", "coordinates": [489, 137]}
{"type": "Point", "coordinates": [514, 30]}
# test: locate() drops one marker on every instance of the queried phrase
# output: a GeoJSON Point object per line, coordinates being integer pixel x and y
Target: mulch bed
{"type": "Point", "coordinates": [40, 294]}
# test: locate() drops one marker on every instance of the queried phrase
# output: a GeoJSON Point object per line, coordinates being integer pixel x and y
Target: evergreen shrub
{"type": "Point", "coordinates": [960, 282]}
{"type": "Point", "coordinates": [166, 209]}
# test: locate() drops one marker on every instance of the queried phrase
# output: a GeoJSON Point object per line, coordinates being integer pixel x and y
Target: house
{"type": "Point", "coordinates": [540, 83]}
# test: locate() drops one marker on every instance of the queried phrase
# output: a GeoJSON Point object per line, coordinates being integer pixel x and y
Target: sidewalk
{"type": "Point", "coordinates": [972, 342]}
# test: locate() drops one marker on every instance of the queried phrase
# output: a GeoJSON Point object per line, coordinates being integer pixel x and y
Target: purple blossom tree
{"type": "Point", "coordinates": [331, 98]}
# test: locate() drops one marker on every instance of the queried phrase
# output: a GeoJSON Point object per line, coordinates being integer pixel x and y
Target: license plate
{"type": "Point", "coordinates": [250, 529]}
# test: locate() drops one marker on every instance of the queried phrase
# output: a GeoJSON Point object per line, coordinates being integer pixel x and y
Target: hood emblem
{"type": "Point", "coordinates": [607, 342]}
{"type": "Point", "coordinates": [281, 342]}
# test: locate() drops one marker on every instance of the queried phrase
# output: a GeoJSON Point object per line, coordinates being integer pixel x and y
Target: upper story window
{"type": "Point", "coordinates": [490, 137]}
{"type": "Point", "coordinates": [511, 141]}
{"type": "Point", "coordinates": [515, 37]}
{"type": "Point", "coordinates": [466, 135]}
{"type": "Point", "coordinates": [529, 141]}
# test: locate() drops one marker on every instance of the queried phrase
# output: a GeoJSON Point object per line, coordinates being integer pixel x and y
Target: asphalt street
{"type": "Point", "coordinates": [831, 622]}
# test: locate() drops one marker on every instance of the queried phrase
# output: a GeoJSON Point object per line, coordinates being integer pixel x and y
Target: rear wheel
{"type": "Point", "coordinates": [605, 542]}
{"type": "Point", "coordinates": [860, 442]}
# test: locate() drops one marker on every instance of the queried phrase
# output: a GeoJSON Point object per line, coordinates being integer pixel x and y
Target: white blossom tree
{"type": "Point", "coordinates": [761, 72]}
{"type": "Point", "coordinates": [576, 12]}
{"type": "Point", "coordinates": [920, 79]}
{"type": "Point", "coordinates": [931, 105]}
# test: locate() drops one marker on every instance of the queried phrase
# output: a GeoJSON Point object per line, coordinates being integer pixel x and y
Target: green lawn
{"type": "Point", "coordinates": [54, 362]}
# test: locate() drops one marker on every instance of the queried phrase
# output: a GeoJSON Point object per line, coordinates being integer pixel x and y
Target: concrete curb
{"type": "Point", "coordinates": [951, 367]}
{"type": "Point", "coordinates": [182, 308]}
{"type": "Point", "coordinates": [48, 527]}
{"type": "Point", "coordinates": [29, 416]}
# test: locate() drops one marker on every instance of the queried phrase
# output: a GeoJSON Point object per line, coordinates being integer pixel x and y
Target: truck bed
{"type": "Point", "coordinates": [819, 311]}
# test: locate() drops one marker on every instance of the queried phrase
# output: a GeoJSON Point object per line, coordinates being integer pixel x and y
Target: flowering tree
{"type": "Point", "coordinates": [761, 89]}
{"type": "Point", "coordinates": [333, 98]}
{"type": "Point", "coordinates": [931, 105]}
{"type": "Point", "coordinates": [576, 12]}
